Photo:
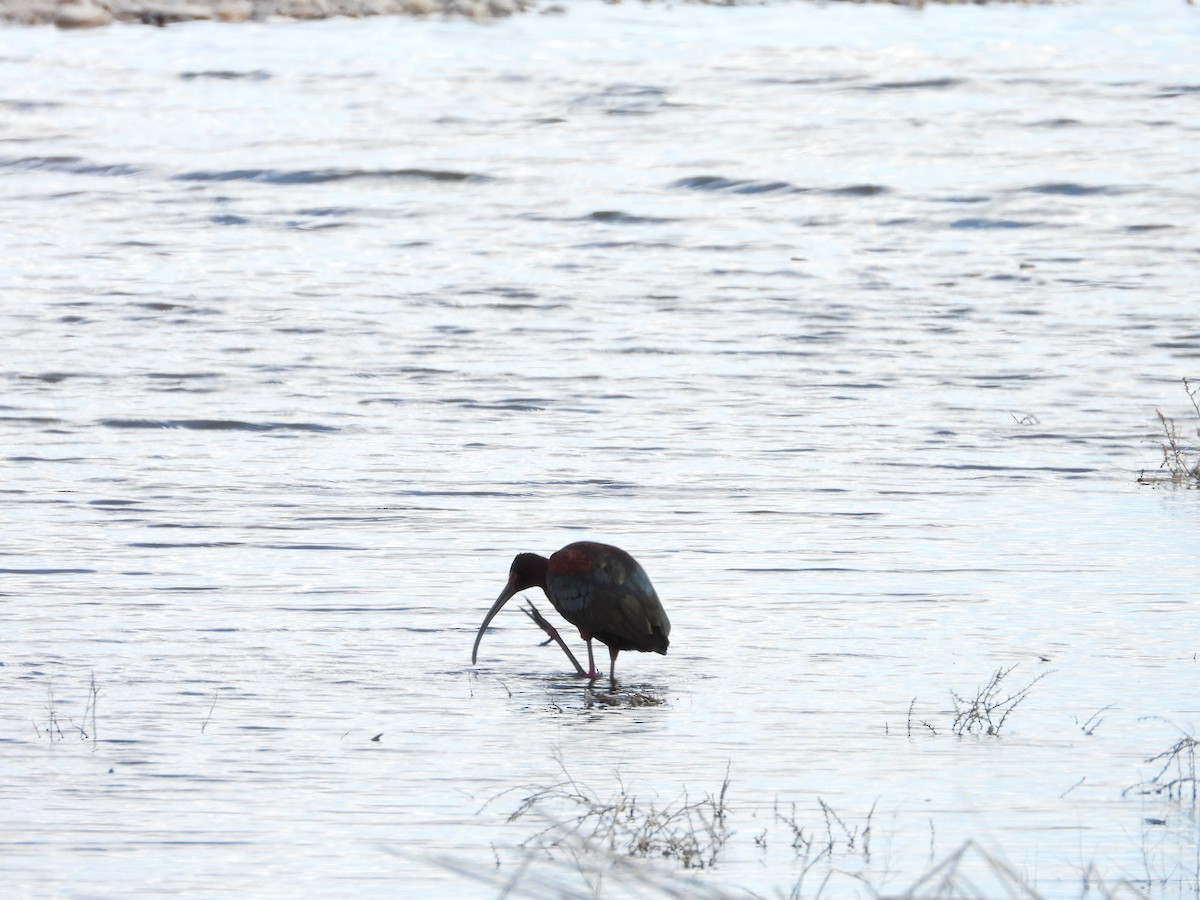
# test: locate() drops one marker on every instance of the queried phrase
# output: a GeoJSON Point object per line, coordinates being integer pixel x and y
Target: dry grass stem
{"type": "Point", "coordinates": [693, 833]}
{"type": "Point", "coordinates": [1180, 461]}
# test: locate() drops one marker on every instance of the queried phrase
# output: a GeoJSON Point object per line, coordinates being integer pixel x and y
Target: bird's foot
{"type": "Point", "coordinates": [541, 622]}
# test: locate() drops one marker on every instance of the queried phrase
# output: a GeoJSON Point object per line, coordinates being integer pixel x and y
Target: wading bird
{"type": "Point", "coordinates": [599, 589]}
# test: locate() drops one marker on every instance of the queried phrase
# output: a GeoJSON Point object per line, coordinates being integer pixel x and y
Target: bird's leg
{"type": "Point", "coordinates": [591, 672]}
{"type": "Point", "coordinates": [541, 622]}
{"type": "Point", "coordinates": [612, 668]}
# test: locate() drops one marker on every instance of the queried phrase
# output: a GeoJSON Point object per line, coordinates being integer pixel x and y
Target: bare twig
{"type": "Point", "coordinates": [1177, 776]}
{"type": "Point", "coordinates": [990, 708]}
{"type": "Point", "coordinates": [216, 693]}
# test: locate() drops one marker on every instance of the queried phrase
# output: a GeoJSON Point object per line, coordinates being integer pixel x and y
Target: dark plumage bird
{"type": "Point", "coordinates": [599, 589]}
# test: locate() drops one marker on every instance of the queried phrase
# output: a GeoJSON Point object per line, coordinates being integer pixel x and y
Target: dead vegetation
{"type": "Point", "coordinates": [690, 832]}
{"type": "Point", "coordinates": [53, 727]}
{"type": "Point", "coordinates": [1180, 464]}
{"type": "Point", "coordinates": [1176, 777]}
{"type": "Point", "coordinates": [616, 845]}
{"type": "Point", "coordinates": [991, 706]}
{"type": "Point", "coordinates": [984, 713]}
{"type": "Point", "coordinates": [836, 837]}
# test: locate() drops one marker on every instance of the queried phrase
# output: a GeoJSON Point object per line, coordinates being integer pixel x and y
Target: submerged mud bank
{"type": "Point", "coordinates": [98, 13]}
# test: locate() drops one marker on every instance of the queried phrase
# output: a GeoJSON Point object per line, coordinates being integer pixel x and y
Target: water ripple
{"type": "Point", "coordinates": [216, 425]}
{"type": "Point", "coordinates": [321, 176]}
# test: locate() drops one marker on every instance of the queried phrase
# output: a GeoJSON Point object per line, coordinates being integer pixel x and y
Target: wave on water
{"type": "Point", "coordinates": [320, 176]}
{"type": "Point", "coordinates": [216, 425]}
{"type": "Point", "coordinates": [73, 165]}
{"type": "Point", "coordinates": [77, 165]}
{"type": "Point", "coordinates": [748, 186]}
{"type": "Point", "coordinates": [227, 75]}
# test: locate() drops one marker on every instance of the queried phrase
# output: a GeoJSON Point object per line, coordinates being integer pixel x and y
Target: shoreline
{"type": "Point", "coordinates": [99, 13]}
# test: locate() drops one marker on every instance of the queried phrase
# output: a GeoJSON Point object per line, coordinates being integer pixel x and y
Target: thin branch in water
{"type": "Point", "coordinates": [216, 693]}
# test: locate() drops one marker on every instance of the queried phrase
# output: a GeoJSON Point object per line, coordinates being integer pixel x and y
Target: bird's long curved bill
{"type": "Point", "coordinates": [487, 620]}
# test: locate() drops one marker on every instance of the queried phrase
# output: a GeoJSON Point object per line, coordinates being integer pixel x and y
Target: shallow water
{"type": "Point", "coordinates": [849, 322]}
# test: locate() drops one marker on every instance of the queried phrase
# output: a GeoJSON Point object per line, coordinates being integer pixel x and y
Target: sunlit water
{"type": "Point", "coordinates": [849, 322]}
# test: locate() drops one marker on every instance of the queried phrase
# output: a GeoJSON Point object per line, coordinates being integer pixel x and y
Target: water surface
{"type": "Point", "coordinates": [849, 322]}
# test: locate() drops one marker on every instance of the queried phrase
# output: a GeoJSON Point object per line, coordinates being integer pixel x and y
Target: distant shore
{"type": "Point", "coordinates": [98, 13]}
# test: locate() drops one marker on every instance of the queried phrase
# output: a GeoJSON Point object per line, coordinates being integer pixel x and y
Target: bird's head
{"type": "Point", "coordinates": [527, 570]}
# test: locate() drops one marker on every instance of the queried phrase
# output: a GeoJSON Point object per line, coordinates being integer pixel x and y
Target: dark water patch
{"type": "Point", "coordinates": [921, 84]}
{"type": "Point", "coordinates": [966, 198]}
{"type": "Point", "coordinates": [1055, 123]}
{"type": "Point", "coordinates": [114, 502]}
{"type": "Point", "coordinates": [433, 493]}
{"type": "Point", "coordinates": [322, 176]}
{"type": "Point", "coordinates": [51, 377]}
{"type": "Point", "coordinates": [217, 425]}
{"type": "Point", "coordinates": [297, 225]}
{"type": "Point", "coordinates": [734, 185]}
{"type": "Point", "coordinates": [159, 305]}
{"type": "Point", "coordinates": [515, 405]}
{"type": "Point", "coordinates": [616, 217]}
{"type": "Point", "coordinates": [226, 75]}
{"type": "Point", "coordinates": [321, 211]}
{"type": "Point", "coordinates": [1052, 436]}
{"type": "Point", "coordinates": [1142, 229]}
{"type": "Point", "coordinates": [857, 190]}
{"type": "Point", "coordinates": [512, 306]}
{"type": "Point", "coordinates": [982, 223]}
{"type": "Point", "coordinates": [513, 293]}
{"type": "Point", "coordinates": [982, 467]}
{"type": "Point", "coordinates": [645, 350]}
{"type": "Point", "coordinates": [348, 609]}
{"type": "Point", "coordinates": [47, 571]}
{"type": "Point", "coordinates": [1012, 376]}
{"type": "Point", "coordinates": [180, 376]}
{"type": "Point", "coordinates": [783, 570]}
{"type": "Point", "coordinates": [312, 547]}
{"type": "Point", "coordinates": [719, 183]}
{"type": "Point", "coordinates": [29, 105]}
{"type": "Point", "coordinates": [168, 545]}
{"type": "Point", "coordinates": [811, 79]}
{"type": "Point", "coordinates": [621, 245]}
{"type": "Point", "coordinates": [1070, 189]}
{"type": "Point", "coordinates": [228, 219]}
{"type": "Point", "coordinates": [624, 100]}
{"type": "Point", "coordinates": [1177, 90]}
{"type": "Point", "coordinates": [31, 420]}
{"type": "Point", "coordinates": [48, 459]}
{"type": "Point", "coordinates": [72, 165]}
